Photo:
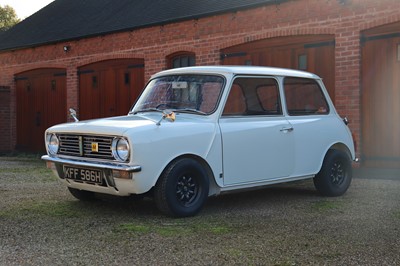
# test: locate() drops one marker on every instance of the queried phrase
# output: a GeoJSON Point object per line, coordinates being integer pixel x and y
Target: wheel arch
{"type": "Point", "coordinates": [214, 189]}
{"type": "Point", "coordinates": [342, 147]}
{"type": "Point", "coordinates": [337, 146]}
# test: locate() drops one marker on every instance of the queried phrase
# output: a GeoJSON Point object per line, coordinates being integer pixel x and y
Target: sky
{"type": "Point", "coordinates": [25, 8]}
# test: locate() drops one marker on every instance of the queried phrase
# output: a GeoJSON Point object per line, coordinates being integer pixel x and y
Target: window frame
{"type": "Point", "coordinates": [250, 115]}
{"type": "Point", "coordinates": [305, 113]}
{"type": "Point", "coordinates": [179, 55]}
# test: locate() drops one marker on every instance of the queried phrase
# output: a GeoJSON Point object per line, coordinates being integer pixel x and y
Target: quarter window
{"type": "Point", "coordinates": [253, 96]}
{"type": "Point", "coordinates": [304, 97]}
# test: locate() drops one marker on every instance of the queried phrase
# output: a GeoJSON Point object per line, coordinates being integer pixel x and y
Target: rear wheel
{"type": "Point", "coordinates": [335, 176]}
{"type": "Point", "coordinates": [82, 194]}
{"type": "Point", "coordinates": [182, 188]}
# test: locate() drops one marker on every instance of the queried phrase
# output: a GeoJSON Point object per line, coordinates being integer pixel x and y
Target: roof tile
{"type": "Point", "coordinates": [64, 20]}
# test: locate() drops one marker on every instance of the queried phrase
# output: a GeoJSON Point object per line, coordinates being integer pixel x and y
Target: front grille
{"type": "Point", "coordinates": [81, 146]}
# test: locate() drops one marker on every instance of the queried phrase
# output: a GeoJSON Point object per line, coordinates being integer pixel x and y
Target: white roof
{"type": "Point", "coordinates": [238, 70]}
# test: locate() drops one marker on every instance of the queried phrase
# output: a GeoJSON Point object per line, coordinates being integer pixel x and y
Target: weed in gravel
{"type": "Point", "coordinates": [246, 257]}
{"type": "Point", "coordinates": [134, 228]}
{"type": "Point", "coordinates": [55, 209]}
{"type": "Point", "coordinates": [220, 229]}
{"type": "Point", "coordinates": [162, 230]}
{"type": "Point", "coordinates": [329, 255]}
{"type": "Point", "coordinates": [210, 226]}
{"type": "Point", "coordinates": [19, 169]}
{"type": "Point", "coordinates": [173, 229]}
{"type": "Point", "coordinates": [396, 215]}
{"type": "Point", "coordinates": [23, 170]}
{"type": "Point", "coordinates": [326, 205]}
{"type": "Point", "coordinates": [43, 209]}
{"type": "Point", "coordinates": [169, 231]}
{"type": "Point", "coordinates": [287, 262]}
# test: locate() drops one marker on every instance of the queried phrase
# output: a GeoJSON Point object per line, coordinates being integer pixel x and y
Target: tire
{"type": "Point", "coordinates": [182, 189]}
{"type": "Point", "coordinates": [82, 195]}
{"type": "Point", "coordinates": [335, 176]}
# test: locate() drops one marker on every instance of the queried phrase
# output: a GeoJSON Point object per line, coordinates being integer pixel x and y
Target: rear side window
{"type": "Point", "coordinates": [304, 97]}
{"type": "Point", "coordinates": [251, 96]}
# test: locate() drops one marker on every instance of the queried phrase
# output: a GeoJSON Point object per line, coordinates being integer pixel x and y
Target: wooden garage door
{"type": "Point", "coordinates": [315, 54]}
{"type": "Point", "coordinates": [109, 88]}
{"type": "Point", "coordinates": [381, 97]}
{"type": "Point", "coordinates": [41, 103]}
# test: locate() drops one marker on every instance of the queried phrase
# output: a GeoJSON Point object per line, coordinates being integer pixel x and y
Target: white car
{"type": "Point", "coordinates": [199, 131]}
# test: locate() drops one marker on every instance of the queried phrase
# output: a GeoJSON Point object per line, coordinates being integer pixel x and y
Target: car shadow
{"type": "Point", "coordinates": [268, 197]}
{"type": "Point", "coordinates": [243, 201]}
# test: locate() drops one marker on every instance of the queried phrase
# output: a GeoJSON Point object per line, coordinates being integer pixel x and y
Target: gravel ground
{"type": "Point", "coordinates": [42, 224]}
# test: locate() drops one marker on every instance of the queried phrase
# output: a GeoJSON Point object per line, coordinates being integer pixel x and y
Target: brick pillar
{"type": "Point", "coordinates": [72, 91]}
{"type": "Point", "coordinates": [348, 79]}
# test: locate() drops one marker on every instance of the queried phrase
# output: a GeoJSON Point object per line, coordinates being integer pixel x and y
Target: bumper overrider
{"type": "Point", "coordinates": [102, 177]}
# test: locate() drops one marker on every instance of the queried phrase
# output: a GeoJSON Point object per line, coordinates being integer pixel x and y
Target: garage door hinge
{"type": "Point", "coordinates": [223, 56]}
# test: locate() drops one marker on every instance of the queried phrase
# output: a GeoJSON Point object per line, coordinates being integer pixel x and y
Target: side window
{"type": "Point", "coordinates": [235, 104]}
{"type": "Point", "coordinates": [269, 98]}
{"type": "Point", "coordinates": [253, 96]}
{"type": "Point", "coordinates": [304, 97]}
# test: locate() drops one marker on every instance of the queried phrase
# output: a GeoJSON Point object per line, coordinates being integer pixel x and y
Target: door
{"type": "Point", "coordinates": [257, 140]}
{"type": "Point", "coordinates": [41, 103]}
{"type": "Point", "coordinates": [314, 124]}
{"type": "Point", "coordinates": [381, 97]}
{"type": "Point", "coordinates": [109, 88]}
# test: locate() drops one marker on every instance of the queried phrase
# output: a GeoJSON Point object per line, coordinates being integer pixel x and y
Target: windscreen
{"type": "Point", "coordinates": [196, 93]}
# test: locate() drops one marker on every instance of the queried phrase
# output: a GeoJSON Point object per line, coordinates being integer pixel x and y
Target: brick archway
{"type": "Point", "coordinates": [109, 88]}
{"type": "Point", "coordinates": [313, 53]}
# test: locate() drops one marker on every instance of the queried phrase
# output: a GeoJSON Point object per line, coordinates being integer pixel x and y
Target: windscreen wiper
{"type": "Point", "coordinates": [146, 110]}
{"type": "Point", "coordinates": [190, 110]}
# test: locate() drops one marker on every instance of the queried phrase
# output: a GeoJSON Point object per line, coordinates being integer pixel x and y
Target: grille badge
{"type": "Point", "coordinates": [95, 147]}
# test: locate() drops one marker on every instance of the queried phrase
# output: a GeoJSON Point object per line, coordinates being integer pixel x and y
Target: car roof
{"type": "Point", "coordinates": [238, 70]}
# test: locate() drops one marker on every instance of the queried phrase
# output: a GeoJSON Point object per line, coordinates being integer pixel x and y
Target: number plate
{"type": "Point", "coordinates": [83, 175]}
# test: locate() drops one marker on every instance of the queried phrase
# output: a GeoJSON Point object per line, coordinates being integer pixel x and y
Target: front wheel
{"type": "Point", "coordinates": [182, 189]}
{"type": "Point", "coordinates": [335, 176]}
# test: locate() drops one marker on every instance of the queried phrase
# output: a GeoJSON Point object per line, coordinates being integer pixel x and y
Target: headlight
{"type": "Point", "coordinates": [52, 144]}
{"type": "Point", "coordinates": [120, 149]}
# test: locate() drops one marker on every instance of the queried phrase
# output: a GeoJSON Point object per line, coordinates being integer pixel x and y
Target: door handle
{"type": "Point", "coordinates": [287, 129]}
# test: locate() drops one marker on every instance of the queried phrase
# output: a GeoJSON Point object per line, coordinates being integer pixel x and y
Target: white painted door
{"type": "Point", "coordinates": [257, 140]}
{"type": "Point", "coordinates": [256, 149]}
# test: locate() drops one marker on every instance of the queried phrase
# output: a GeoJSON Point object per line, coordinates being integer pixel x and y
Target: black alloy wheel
{"type": "Point", "coordinates": [335, 175]}
{"type": "Point", "coordinates": [182, 189]}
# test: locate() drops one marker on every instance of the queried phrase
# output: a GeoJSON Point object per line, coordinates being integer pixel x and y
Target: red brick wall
{"type": "Point", "coordinates": [5, 119]}
{"type": "Point", "coordinates": [207, 36]}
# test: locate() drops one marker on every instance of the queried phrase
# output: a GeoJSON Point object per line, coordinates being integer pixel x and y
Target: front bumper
{"type": "Point", "coordinates": [119, 179]}
{"type": "Point", "coordinates": [110, 166]}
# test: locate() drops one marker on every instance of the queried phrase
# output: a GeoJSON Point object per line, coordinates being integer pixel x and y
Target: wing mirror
{"type": "Point", "coordinates": [168, 115]}
{"type": "Point", "coordinates": [72, 112]}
